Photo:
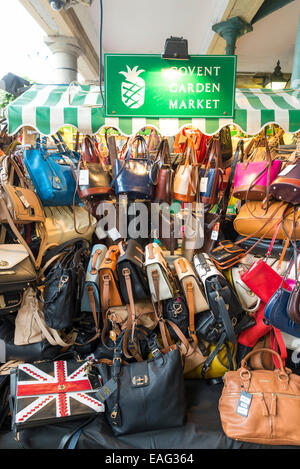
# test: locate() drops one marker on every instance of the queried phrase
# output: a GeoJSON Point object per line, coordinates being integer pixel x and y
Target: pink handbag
{"type": "Point", "coordinates": [253, 178]}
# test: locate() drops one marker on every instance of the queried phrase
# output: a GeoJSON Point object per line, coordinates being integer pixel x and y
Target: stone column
{"type": "Point", "coordinates": [66, 51]}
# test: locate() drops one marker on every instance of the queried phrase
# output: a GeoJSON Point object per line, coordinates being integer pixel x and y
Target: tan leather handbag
{"type": "Point", "coordinates": [22, 202]}
{"type": "Point", "coordinates": [252, 220]}
{"type": "Point", "coordinates": [108, 279]}
{"type": "Point", "coordinates": [261, 406]}
{"type": "Point", "coordinates": [144, 316]}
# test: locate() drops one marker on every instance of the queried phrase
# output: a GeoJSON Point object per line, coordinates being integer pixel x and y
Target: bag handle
{"type": "Point", "coordinates": [244, 361]}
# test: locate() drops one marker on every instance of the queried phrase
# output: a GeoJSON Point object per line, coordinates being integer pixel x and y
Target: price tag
{"type": "Point", "coordinates": [114, 234]}
{"type": "Point", "coordinates": [215, 232]}
{"type": "Point", "coordinates": [84, 177]}
{"type": "Point", "coordinates": [287, 170]}
{"type": "Point", "coordinates": [203, 184]}
{"type": "Point", "coordinates": [244, 403]}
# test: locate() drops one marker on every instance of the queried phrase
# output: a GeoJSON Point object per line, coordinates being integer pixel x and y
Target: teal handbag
{"type": "Point", "coordinates": [53, 174]}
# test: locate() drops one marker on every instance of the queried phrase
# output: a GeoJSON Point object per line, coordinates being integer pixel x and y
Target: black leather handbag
{"type": "Point", "coordinates": [145, 395]}
{"type": "Point", "coordinates": [130, 265]}
{"type": "Point", "coordinates": [64, 283]}
{"type": "Point", "coordinates": [136, 177]}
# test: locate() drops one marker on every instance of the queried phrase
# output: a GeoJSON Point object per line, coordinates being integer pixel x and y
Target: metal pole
{"type": "Point", "coordinates": [295, 78]}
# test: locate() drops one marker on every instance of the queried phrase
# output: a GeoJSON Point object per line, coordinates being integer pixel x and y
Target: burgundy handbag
{"type": "Point", "coordinates": [164, 186]}
{"type": "Point", "coordinates": [286, 186]}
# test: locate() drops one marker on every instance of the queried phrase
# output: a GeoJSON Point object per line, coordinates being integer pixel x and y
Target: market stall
{"type": "Point", "coordinates": [65, 237]}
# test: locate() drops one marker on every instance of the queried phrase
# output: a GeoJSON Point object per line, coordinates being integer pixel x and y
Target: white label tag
{"type": "Point", "coordinates": [287, 170]}
{"type": "Point", "coordinates": [244, 403]}
{"type": "Point", "coordinates": [114, 234]}
{"type": "Point", "coordinates": [215, 232]}
{"type": "Point", "coordinates": [84, 177]}
{"type": "Point", "coordinates": [203, 184]}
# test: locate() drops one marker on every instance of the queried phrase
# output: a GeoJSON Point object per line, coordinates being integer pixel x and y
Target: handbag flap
{"type": "Point", "coordinates": [132, 252]}
{"type": "Point", "coordinates": [11, 255]}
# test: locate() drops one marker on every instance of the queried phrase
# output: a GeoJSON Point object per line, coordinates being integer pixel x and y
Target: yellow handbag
{"type": "Point", "coordinates": [219, 365]}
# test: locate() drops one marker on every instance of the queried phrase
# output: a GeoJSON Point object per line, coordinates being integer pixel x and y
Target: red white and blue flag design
{"type": "Point", "coordinates": [54, 390]}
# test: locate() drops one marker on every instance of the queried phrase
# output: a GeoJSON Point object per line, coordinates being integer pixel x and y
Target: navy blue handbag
{"type": "Point", "coordinates": [276, 313]}
{"type": "Point", "coordinates": [211, 175]}
{"type": "Point", "coordinates": [53, 174]}
{"type": "Point", "coordinates": [136, 177]}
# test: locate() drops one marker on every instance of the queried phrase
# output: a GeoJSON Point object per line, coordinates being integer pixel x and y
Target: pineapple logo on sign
{"type": "Point", "coordinates": [133, 89]}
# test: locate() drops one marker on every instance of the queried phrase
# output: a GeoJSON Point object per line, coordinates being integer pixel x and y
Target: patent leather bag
{"type": "Point", "coordinates": [147, 395]}
{"type": "Point", "coordinates": [52, 174]}
{"type": "Point", "coordinates": [164, 186]}
{"type": "Point", "coordinates": [136, 177]}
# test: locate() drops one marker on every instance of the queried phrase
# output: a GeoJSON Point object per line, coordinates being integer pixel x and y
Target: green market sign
{"type": "Point", "coordinates": [149, 86]}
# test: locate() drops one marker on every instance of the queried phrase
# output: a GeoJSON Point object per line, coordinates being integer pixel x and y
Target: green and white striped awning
{"type": "Point", "coordinates": [48, 108]}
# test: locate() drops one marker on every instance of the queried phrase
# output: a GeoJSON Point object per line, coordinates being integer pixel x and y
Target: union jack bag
{"type": "Point", "coordinates": [49, 392]}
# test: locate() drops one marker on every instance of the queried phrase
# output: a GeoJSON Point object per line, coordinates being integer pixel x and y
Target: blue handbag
{"type": "Point", "coordinates": [53, 174]}
{"type": "Point", "coordinates": [276, 313]}
{"type": "Point", "coordinates": [136, 177]}
{"type": "Point", "coordinates": [91, 297]}
{"type": "Point", "coordinates": [210, 177]}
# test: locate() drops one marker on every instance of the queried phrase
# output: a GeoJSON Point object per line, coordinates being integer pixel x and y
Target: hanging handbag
{"type": "Point", "coordinates": [130, 269]}
{"type": "Point", "coordinates": [253, 178]}
{"type": "Point", "coordinates": [261, 406]}
{"type": "Point", "coordinates": [164, 186]}
{"type": "Point", "coordinates": [143, 396]}
{"type": "Point", "coordinates": [63, 223]}
{"type": "Point", "coordinates": [52, 173]}
{"type": "Point", "coordinates": [136, 177]}
{"type": "Point", "coordinates": [108, 278]}
{"type": "Point", "coordinates": [93, 177]}
{"type": "Point", "coordinates": [286, 186]}
{"type": "Point", "coordinates": [156, 264]}
{"type": "Point", "coordinates": [211, 175]}
{"type": "Point", "coordinates": [90, 300]}
{"type": "Point", "coordinates": [186, 176]}
{"type": "Point", "coordinates": [21, 201]}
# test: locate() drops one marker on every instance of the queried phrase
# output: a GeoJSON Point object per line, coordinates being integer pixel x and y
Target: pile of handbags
{"type": "Point", "coordinates": [146, 313]}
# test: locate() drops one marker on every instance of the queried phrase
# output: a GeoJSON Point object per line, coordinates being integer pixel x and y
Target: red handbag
{"type": "Point", "coordinates": [249, 337]}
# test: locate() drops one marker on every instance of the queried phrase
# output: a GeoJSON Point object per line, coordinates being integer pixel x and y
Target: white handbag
{"type": "Point", "coordinates": [249, 301]}
{"type": "Point", "coordinates": [187, 278]}
{"type": "Point", "coordinates": [157, 267]}
{"type": "Point", "coordinates": [186, 176]}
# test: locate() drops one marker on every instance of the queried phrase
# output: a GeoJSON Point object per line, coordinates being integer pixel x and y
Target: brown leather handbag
{"type": "Point", "coordinates": [164, 186]}
{"type": "Point", "coordinates": [108, 279]}
{"type": "Point", "coordinates": [261, 406]}
{"type": "Point", "coordinates": [97, 182]}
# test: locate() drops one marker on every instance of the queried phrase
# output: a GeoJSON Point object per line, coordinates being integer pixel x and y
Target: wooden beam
{"type": "Point", "coordinates": [245, 10]}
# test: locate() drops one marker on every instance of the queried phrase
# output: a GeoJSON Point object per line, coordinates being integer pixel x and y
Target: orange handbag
{"type": "Point", "coordinates": [108, 279]}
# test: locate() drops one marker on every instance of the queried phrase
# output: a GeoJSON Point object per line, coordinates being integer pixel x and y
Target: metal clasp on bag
{"type": "Point", "coordinates": [63, 280]}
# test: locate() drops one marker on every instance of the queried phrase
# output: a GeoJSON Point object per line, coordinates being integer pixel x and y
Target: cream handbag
{"type": "Point", "coordinates": [190, 283]}
{"type": "Point", "coordinates": [64, 223]}
{"type": "Point", "coordinates": [159, 274]}
{"type": "Point", "coordinates": [186, 176]}
{"type": "Point", "coordinates": [249, 301]}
